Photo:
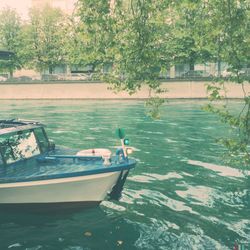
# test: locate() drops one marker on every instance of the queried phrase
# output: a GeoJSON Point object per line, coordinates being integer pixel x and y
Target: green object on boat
{"type": "Point", "coordinates": [120, 132]}
{"type": "Point", "coordinates": [126, 141]}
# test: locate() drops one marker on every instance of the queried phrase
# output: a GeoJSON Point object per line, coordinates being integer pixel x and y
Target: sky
{"type": "Point", "coordinates": [22, 6]}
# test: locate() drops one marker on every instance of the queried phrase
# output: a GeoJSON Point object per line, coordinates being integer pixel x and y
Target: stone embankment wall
{"type": "Point", "coordinates": [188, 89]}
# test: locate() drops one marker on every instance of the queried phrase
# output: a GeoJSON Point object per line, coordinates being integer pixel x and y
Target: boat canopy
{"type": "Point", "coordinates": [21, 140]}
{"type": "Point", "coordinates": [14, 125]}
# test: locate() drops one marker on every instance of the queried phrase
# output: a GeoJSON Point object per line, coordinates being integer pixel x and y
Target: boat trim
{"type": "Point", "coordinates": [51, 181]}
{"type": "Point", "coordinates": [125, 166]}
{"type": "Point", "coordinates": [19, 128]}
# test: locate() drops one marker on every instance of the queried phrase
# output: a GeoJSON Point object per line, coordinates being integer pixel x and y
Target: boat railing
{"type": "Point", "coordinates": [73, 157]}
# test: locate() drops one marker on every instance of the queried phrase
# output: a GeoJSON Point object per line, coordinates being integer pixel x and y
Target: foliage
{"type": "Point", "coordinates": [138, 39]}
{"type": "Point", "coordinates": [131, 36]}
{"type": "Point", "coordinates": [188, 30]}
{"type": "Point", "coordinates": [97, 30]}
{"type": "Point", "coordinates": [153, 104]}
{"type": "Point", "coordinates": [237, 145]}
{"type": "Point", "coordinates": [44, 38]}
{"type": "Point", "coordinates": [139, 45]}
{"type": "Point", "coordinates": [141, 37]}
{"type": "Point", "coordinates": [10, 27]}
{"type": "Point", "coordinates": [230, 19]}
{"type": "Point", "coordinates": [75, 43]}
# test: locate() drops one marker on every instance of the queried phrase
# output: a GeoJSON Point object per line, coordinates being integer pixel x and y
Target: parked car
{"type": "Point", "coordinates": [76, 77]}
{"type": "Point", "coordinates": [3, 79]}
{"type": "Point", "coordinates": [36, 78]}
{"type": "Point", "coordinates": [23, 78]}
{"type": "Point", "coordinates": [49, 77]}
{"type": "Point", "coordinates": [244, 72]}
{"type": "Point", "coordinates": [195, 74]}
{"type": "Point", "coordinates": [225, 73]}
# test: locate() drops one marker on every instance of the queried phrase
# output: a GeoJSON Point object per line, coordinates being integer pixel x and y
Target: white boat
{"type": "Point", "coordinates": [37, 175]}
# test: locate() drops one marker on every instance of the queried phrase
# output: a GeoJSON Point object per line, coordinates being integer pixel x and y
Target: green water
{"type": "Point", "coordinates": [178, 197]}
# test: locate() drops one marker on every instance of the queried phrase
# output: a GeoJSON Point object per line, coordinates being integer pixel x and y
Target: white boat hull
{"type": "Point", "coordinates": [88, 189]}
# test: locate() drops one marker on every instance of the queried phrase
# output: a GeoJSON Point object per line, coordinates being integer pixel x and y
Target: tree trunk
{"type": "Point", "coordinates": [191, 65]}
{"type": "Point", "coordinates": [50, 70]}
{"type": "Point", "coordinates": [219, 58]}
{"type": "Point", "coordinates": [11, 73]}
{"type": "Point", "coordinates": [219, 67]}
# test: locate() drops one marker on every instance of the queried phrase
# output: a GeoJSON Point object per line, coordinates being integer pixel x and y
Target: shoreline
{"type": "Point", "coordinates": [101, 91]}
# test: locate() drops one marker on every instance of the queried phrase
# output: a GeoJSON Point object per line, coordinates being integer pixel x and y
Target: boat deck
{"type": "Point", "coordinates": [43, 168]}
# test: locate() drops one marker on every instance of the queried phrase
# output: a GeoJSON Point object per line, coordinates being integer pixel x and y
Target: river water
{"type": "Point", "coordinates": [178, 197]}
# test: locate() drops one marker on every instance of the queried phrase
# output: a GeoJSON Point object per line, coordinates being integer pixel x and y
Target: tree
{"type": "Point", "coordinates": [230, 22]}
{"type": "Point", "coordinates": [188, 30]}
{"type": "Point", "coordinates": [140, 37]}
{"type": "Point", "coordinates": [97, 28]}
{"type": "Point", "coordinates": [76, 45]}
{"type": "Point", "coordinates": [10, 39]}
{"type": "Point", "coordinates": [132, 37]}
{"type": "Point", "coordinates": [45, 38]}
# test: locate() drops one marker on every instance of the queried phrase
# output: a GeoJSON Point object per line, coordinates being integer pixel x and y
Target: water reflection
{"type": "Point", "coordinates": [91, 229]}
{"type": "Point", "coordinates": [221, 170]}
{"type": "Point", "coordinates": [197, 195]}
{"type": "Point", "coordinates": [146, 177]}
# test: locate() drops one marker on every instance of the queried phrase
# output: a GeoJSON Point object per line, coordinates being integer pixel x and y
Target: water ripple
{"type": "Point", "coordinates": [198, 195]}
{"type": "Point", "coordinates": [147, 177]}
{"type": "Point", "coordinates": [175, 198]}
{"type": "Point", "coordinates": [221, 170]}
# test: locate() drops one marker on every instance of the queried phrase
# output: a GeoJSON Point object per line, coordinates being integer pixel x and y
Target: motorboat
{"type": "Point", "coordinates": [36, 174]}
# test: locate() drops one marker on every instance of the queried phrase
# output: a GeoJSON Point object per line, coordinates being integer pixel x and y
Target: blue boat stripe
{"type": "Point", "coordinates": [125, 166]}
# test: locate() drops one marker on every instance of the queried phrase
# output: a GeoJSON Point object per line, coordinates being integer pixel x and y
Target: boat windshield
{"type": "Point", "coordinates": [19, 145]}
{"type": "Point", "coordinates": [1, 160]}
{"type": "Point", "coordinates": [42, 139]}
